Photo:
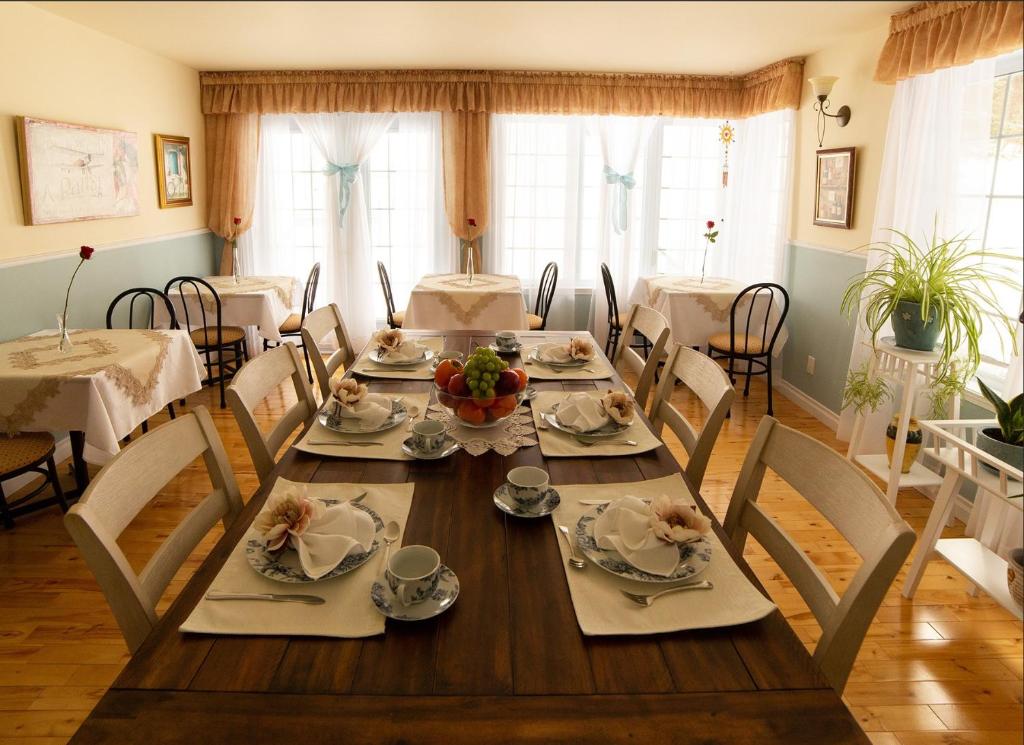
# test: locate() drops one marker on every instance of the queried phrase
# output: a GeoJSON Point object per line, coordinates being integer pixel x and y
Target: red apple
{"type": "Point", "coordinates": [508, 382]}
{"type": "Point", "coordinates": [457, 385]}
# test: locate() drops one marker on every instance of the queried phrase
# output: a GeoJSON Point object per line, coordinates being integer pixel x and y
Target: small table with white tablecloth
{"type": "Point", "coordinates": [491, 302]}
{"type": "Point", "coordinates": [698, 310]}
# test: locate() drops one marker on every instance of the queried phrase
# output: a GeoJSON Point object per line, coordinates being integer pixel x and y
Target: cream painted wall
{"type": "Point", "coordinates": [56, 69]}
{"type": "Point", "coordinates": [853, 61]}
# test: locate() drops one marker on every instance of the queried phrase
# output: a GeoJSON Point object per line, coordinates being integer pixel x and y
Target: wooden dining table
{"type": "Point", "coordinates": [506, 664]}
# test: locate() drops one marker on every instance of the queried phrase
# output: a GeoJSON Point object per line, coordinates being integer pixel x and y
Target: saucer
{"type": "Point", "coordinates": [451, 445]}
{"type": "Point", "coordinates": [546, 506]}
{"type": "Point", "coordinates": [441, 599]}
{"type": "Point", "coordinates": [506, 350]}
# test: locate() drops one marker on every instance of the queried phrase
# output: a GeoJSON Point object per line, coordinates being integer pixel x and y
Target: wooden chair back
{"type": "Point", "coordinates": [150, 294]}
{"type": "Point", "coordinates": [848, 499]}
{"type": "Point", "coordinates": [711, 385]}
{"type": "Point", "coordinates": [385, 286]}
{"type": "Point", "coordinates": [315, 327]}
{"type": "Point", "coordinates": [119, 493]}
{"type": "Point", "coordinates": [546, 292]}
{"type": "Point", "coordinates": [252, 384]}
{"type": "Point", "coordinates": [193, 294]}
{"type": "Point", "coordinates": [654, 327]}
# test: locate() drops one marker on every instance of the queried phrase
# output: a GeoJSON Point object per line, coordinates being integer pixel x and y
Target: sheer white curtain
{"type": "Point", "coordinates": [343, 140]}
{"type": "Point", "coordinates": [622, 139]}
{"type": "Point", "coordinates": [753, 233]}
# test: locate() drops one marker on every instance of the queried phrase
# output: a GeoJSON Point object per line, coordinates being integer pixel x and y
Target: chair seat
{"type": "Point", "coordinates": [229, 335]}
{"type": "Point", "coordinates": [24, 449]}
{"type": "Point", "coordinates": [399, 316]}
{"type": "Point", "coordinates": [536, 322]}
{"type": "Point", "coordinates": [292, 324]}
{"type": "Point", "coordinates": [744, 344]}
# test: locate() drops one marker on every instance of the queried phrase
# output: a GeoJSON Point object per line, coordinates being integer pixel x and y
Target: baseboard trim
{"type": "Point", "coordinates": [102, 247]}
{"type": "Point", "coordinates": [813, 407]}
{"type": "Point", "coordinates": [61, 453]}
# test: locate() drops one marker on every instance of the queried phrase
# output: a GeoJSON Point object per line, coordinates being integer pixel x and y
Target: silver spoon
{"type": "Point", "coordinates": [574, 561]}
{"type": "Point", "coordinates": [390, 535]}
{"type": "Point", "coordinates": [647, 600]}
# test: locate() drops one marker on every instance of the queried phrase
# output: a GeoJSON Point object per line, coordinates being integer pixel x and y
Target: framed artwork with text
{"type": "Point", "coordinates": [833, 189]}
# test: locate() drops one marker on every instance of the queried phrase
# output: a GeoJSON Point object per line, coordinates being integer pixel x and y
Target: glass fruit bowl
{"type": "Point", "coordinates": [472, 411]}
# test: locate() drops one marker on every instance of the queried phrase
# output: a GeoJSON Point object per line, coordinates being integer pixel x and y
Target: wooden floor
{"type": "Point", "coordinates": [943, 669]}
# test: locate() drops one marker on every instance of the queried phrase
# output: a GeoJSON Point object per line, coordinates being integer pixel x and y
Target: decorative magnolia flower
{"type": "Point", "coordinates": [348, 391]}
{"type": "Point", "coordinates": [581, 348]}
{"type": "Point", "coordinates": [619, 406]}
{"type": "Point", "coordinates": [675, 522]}
{"type": "Point", "coordinates": [388, 340]}
{"type": "Point", "coordinates": [286, 515]}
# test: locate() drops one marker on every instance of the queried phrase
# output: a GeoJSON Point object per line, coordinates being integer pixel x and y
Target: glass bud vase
{"type": "Point", "coordinates": [64, 345]}
{"type": "Point", "coordinates": [470, 264]}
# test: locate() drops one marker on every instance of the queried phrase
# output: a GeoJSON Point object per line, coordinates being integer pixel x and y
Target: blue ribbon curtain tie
{"type": "Point", "coordinates": [624, 182]}
{"type": "Point", "coordinates": [347, 174]}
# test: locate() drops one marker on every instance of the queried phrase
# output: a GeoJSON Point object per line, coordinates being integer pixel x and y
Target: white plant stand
{"type": "Point", "coordinates": [952, 445]}
{"type": "Point", "coordinates": [914, 371]}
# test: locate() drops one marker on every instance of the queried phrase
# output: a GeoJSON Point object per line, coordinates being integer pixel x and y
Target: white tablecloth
{"type": "Point", "coordinates": [698, 311]}
{"type": "Point", "coordinates": [256, 303]}
{"type": "Point", "coordinates": [110, 382]}
{"type": "Point", "coordinates": [493, 302]}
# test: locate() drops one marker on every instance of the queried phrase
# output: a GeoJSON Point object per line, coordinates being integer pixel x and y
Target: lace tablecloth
{"type": "Point", "coordinates": [493, 302]}
{"type": "Point", "coordinates": [505, 438]}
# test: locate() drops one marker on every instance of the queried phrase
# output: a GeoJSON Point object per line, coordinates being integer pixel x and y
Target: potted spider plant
{"type": "Point", "coordinates": [935, 296]}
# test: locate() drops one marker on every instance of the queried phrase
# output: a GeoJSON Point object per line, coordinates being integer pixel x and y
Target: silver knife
{"type": "Point", "coordinates": [308, 599]}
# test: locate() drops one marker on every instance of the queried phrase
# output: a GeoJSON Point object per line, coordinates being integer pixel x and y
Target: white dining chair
{"type": "Point", "coordinates": [257, 379]}
{"type": "Point", "coordinates": [315, 328]}
{"type": "Point", "coordinates": [120, 492]}
{"type": "Point", "coordinates": [654, 328]}
{"type": "Point", "coordinates": [848, 499]}
{"type": "Point", "coordinates": [711, 385]}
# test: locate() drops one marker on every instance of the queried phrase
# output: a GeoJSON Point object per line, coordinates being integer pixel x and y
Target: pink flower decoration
{"type": "Point", "coordinates": [286, 515]}
{"type": "Point", "coordinates": [675, 522]}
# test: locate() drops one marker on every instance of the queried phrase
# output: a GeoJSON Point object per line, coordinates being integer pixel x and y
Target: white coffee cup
{"type": "Point", "coordinates": [527, 485]}
{"type": "Point", "coordinates": [412, 573]}
{"type": "Point", "coordinates": [505, 339]}
{"type": "Point", "coordinates": [428, 435]}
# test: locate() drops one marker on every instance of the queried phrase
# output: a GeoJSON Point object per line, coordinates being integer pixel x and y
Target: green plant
{"type": "Point", "coordinates": [947, 276]}
{"type": "Point", "coordinates": [1009, 414]}
{"type": "Point", "coordinates": [863, 392]}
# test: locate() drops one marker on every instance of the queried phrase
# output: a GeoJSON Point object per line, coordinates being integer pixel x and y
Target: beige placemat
{"type": "Point", "coordinates": [348, 612]}
{"type": "Point", "coordinates": [599, 369]}
{"type": "Point", "coordinates": [601, 608]}
{"type": "Point", "coordinates": [424, 371]}
{"type": "Point", "coordinates": [557, 444]}
{"type": "Point", "coordinates": [391, 440]}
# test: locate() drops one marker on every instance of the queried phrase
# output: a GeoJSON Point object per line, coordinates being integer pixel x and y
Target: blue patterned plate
{"type": "Point", "coordinates": [549, 501]}
{"type": "Point", "coordinates": [534, 357]}
{"type": "Point", "coordinates": [610, 429]}
{"type": "Point", "coordinates": [381, 359]}
{"type": "Point", "coordinates": [694, 557]}
{"type": "Point", "coordinates": [441, 599]}
{"type": "Point", "coordinates": [450, 446]}
{"type": "Point", "coordinates": [284, 566]}
{"type": "Point", "coordinates": [399, 413]}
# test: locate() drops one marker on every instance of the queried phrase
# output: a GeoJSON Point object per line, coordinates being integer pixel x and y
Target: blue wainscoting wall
{"type": "Point", "coordinates": [32, 294]}
{"type": "Point", "coordinates": [816, 280]}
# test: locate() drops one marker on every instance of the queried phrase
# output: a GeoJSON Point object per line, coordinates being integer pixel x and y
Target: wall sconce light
{"type": "Point", "coordinates": [822, 86]}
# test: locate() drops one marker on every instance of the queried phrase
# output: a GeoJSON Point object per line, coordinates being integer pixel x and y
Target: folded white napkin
{"type": "Point", "coordinates": [582, 413]}
{"type": "Point", "coordinates": [560, 353]}
{"type": "Point", "coordinates": [370, 413]}
{"type": "Point", "coordinates": [625, 526]}
{"type": "Point", "coordinates": [405, 352]}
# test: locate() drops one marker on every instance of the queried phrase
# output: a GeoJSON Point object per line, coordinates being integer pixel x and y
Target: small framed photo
{"type": "Point", "coordinates": [173, 171]}
{"type": "Point", "coordinates": [833, 193]}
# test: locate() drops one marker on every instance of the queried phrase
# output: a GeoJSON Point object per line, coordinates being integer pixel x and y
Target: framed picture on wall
{"type": "Point", "coordinates": [173, 171]}
{"type": "Point", "coordinates": [75, 172]}
{"type": "Point", "coordinates": [833, 192]}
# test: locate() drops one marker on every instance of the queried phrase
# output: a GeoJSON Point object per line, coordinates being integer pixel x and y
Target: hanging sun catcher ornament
{"type": "Point", "coordinates": [726, 135]}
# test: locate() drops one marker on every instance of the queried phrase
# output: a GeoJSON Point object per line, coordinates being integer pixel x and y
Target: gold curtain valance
{"type": "Point", "coordinates": [934, 35]}
{"type": "Point", "coordinates": [768, 89]}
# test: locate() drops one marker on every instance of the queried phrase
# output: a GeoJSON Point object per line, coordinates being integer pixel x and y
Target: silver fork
{"type": "Point", "coordinates": [348, 443]}
{"type": "Point", "coordinates": [648, 600]}
{"type": "Point", "coordinates": [591, 443]}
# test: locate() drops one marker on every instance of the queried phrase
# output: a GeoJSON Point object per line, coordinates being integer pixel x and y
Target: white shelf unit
{"type": "Point", "coordinates": [953, 447]}
{"type": "Point", "coordinates": [913, 371]}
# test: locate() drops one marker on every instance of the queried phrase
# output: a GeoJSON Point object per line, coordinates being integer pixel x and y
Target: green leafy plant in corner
{"type": "Point", "coordinates": [949, 277]}
{"type": "Point", "coordinates": [863, 392]}
{"type": "Point", "coordinates": [1009, 414]}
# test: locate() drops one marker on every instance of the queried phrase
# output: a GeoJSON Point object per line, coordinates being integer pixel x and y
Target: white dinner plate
{"type": "Point", "coordinates": [380, 359]}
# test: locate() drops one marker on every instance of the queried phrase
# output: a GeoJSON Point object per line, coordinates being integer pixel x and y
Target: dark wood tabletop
{"type": "Point", "coordinates": [507, 663]}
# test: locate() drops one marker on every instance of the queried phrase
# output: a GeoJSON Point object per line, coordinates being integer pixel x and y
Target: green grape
{"type": "Point", "coordinates": [491, 367]}
{"type": "Point", "coordinates": [473, 384]}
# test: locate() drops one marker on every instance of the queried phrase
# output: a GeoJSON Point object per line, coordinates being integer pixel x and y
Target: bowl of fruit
{"type": "Point", "coordinates": [482, 392]}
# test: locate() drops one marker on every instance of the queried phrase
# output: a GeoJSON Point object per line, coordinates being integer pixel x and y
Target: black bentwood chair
{"type": "Point", "coordinates": [545, 292]}
{"type": "Point", "coordinates": [754, 341]}
{"type": "Point", "coordinates": [292, 326]}
{"type": "Point", "coordinates": [395, 317]}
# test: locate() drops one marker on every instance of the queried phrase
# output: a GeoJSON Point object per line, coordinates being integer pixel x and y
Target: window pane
{"type": "Point", "coordinates": [1014, 120]}
{"type": "Point", "coordinates": [1010, 168]}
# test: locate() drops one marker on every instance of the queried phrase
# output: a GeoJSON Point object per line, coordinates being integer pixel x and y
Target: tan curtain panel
{"type": "Point", "coordinates": [768, 89]}
{"type": "Point", "coordinates": [934, 35]}
{"type": "Point", "coordinates": [232, 145]}
{"type": "Point", "coordinates": [465, 144]}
